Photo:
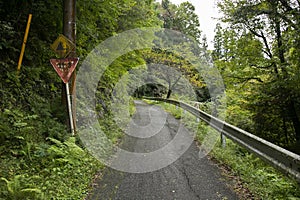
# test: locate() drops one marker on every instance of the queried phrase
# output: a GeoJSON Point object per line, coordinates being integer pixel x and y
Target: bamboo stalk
{"type": "Point", "coordinates": [24, 42]}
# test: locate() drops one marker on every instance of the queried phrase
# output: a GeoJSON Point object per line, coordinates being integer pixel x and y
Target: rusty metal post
{"type": "Point", "coordinates": [69, 30]}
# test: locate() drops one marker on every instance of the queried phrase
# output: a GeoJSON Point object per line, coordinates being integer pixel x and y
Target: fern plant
{"type": "Point", "coordinates": [18, 189]}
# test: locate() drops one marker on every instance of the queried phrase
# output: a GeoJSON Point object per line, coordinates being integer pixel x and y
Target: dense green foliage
{"type": "Point", "coordinates": [257, 56]}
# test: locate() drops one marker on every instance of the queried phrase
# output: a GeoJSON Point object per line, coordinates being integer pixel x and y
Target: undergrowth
{"type": "Point", "coordinates": [55, 167]}
{"type": "Point", "coordinates": [263, 181]}
{"type": "Point", "coordinates": [38, 158]}
{"type": "Point", "coordinates": [54, 170]}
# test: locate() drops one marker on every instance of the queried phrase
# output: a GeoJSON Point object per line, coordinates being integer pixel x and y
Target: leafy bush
{"type": "Point", "coordinates": [62, 170]}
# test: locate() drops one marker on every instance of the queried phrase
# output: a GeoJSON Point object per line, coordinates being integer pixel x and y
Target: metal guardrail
{"type": "Point", "coordinates": [280, 158]}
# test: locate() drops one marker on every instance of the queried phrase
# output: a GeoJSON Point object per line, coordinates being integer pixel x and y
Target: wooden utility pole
{"type": "Point", "coordinates": [69, 30]}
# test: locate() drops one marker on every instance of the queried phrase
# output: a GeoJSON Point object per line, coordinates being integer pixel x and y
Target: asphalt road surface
{"type": "Point", "coordinates": [188, 178]}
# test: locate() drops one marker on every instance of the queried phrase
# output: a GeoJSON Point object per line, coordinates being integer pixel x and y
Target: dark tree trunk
{"type": "Point", "coordinates": [169, 93]}
{"type": "Point", "coordinates": [295, 120]}
{"type": "Point", "coordinates": [281, 54]}
{"type": "Point", "coordinates": [285, 131]}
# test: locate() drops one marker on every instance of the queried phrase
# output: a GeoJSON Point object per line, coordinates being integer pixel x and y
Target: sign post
{"type": "Point", "coordinates": [64, 68]}
{"type": "Point", "coordinates": [65, 47]}
{"type": "Point", "coordinates": [69, 31]}
{"type": "Point", "coordinates": [70, 110]}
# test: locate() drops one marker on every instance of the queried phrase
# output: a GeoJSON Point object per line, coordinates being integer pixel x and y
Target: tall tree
{"type": "Point", "coordinates": [180, 18]}
{"type": "Point", "coordinates": [271, 23]}
{"type": "Point", "coordinates": [218, 43]}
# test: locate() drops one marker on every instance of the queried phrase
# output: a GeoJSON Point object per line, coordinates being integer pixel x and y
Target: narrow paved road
{"type": "Point", "coordinates": [188, 178]}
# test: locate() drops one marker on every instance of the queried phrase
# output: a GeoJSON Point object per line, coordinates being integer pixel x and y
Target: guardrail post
{"type": "Point", "coordinates": [223, 140]}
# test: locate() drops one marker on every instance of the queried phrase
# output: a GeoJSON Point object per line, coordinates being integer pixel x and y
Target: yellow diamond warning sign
{"type": "Point", "coordinates": [62, 46]}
